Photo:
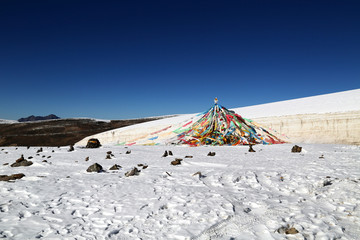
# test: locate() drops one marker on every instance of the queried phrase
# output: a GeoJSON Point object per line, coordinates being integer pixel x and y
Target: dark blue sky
{"type": "Point", "coordinates": [128, 59]}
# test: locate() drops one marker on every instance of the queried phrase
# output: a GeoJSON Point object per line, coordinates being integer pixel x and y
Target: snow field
{"type": "Point", "coordinates": [237, 195]}
{"type": "Point", "coordinates": [345, 101]}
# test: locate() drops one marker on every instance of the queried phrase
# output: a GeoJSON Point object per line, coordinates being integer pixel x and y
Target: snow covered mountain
{"type": "Point", "coordinates": [329, 118]}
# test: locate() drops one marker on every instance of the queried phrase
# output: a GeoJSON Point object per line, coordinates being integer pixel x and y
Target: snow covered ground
{"type": "Point", "coordinates": [345, 101]}
{"type": "Point", "coordinates": [268, 194]}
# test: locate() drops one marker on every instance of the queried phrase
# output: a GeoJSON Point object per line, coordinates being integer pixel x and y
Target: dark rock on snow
{"type": "Point", "coordinates": [133, 172]}
{"type": "Point", "coordinates": [165, 154]}
{"type": "Point", "coordinates": [21, 162]}
{"type": "Point", "coordinates": [247, 210]}
{"type": "Point", "coordinates": [95, 168]}
{"type": "Point", "coordinates": [287, 230]}
{"type": "Point", "coordinates": [11, 177]}
{"type": "Point", "coordinates": [251, 149]}
{"type": "Point", "coordinates": [115, 167]}
{"type": "Point", "coordinates": [143, 166]}
{"type": "Point", "coordinates": [200, 175]}
{"type": "Point", "coordinates": [296, 149]}
{"type": "Point", "coordinates": [177, 161]}
{"type": "Point", "coordinates": [93, 143]}
{"type": "Point", "coordinates": [211, 154]}
{"type": "Point", "coordinates": [71, 148]}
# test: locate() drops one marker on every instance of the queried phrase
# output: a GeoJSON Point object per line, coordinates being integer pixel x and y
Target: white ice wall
{"type": "Point", "coordinates": [339, 128]}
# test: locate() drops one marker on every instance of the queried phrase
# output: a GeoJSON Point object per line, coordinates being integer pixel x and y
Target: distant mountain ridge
{"type": "Point", "coordinates": [33, 118]}
{"type": "Point", "coordinates": [61, 132]}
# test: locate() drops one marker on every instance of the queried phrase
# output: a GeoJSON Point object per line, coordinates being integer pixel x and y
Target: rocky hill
{"type": "Point", "coordinates": [61, 132]}
{"type": "Point", "coordinates": [38, 118]}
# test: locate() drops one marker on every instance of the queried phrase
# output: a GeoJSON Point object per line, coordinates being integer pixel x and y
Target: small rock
{"type": "Point", "coordinates": [95, 168]}
{"type": "Point", "coordinates": [128, 152]}
{"type": "Point", "coordinates": [327, 183]}
{"type": "Point", "coordinates": [251, 149]}
{"type": "Point", "coordinates": [71, 148]}
{"type": "Point", "coordinates": [6, 164]}
{"type": "Point", "coordinates": [199, 173]}
{"type": "Point", "coordinates": [321, 157]}
{"type": "Point", "coordinates": [188, 156]}
{"type": "Point", "coordinates": [115, 167]}
{"type": "Point", "coordinates": [296, 149]}
{"type": "Point", "coordinates": [108, 156]}
{"type": "Point", "coordinates": [165, 154]}
{"type": "Point", "coordinates": [11, 177]}
{"type": "Point", "coordinates": [44, 161]}
{"type": "Point", "coordinates": [291, 231]}
{"type": "Point", "coordinates": [170, 153]}
{"type": "Point", "coordinates": [211, 154]}
{"type": "Point", "coordinates": [145, 167]}
{"type": "Point", "coordinates": [87, 159]}
{"type": "Point", "coordinates": [287, 230]}
{"type": "Point", "coordinates": [21, 162]}
{"type": "Point", "coordinates": [109, 152]}
{"type": "Point", "coordinates": [247, 210]}
{"type": "Point", "coordinates": [133, 172]}
{"type": "Point", "coordinates": [177, 161]}
{"type": "Point", "coordinates": [20, 159]}
{"type": "Point", "coordinates": [30, 157]}
{"type": "Point", "coordinates": [40, 150]}
{"type": "Point", "coordinates": [93, 143]}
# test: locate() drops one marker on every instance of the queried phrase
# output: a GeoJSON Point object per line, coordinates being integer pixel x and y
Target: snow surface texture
{"type": "Point", "coordinates": [346, 101]}
{"type": "Point", "coordinates": [235, 194]}
{"type": "Point", "coordinates": [330, 118]}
